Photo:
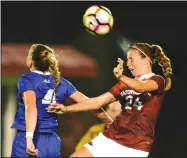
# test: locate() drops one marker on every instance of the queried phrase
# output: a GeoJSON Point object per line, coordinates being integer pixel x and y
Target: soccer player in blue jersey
{"type": "Point", "coordinates": [36, 128]}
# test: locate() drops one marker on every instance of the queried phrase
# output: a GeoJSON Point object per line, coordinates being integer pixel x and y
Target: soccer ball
{"type": "Point", "coordinates": [98, 20]}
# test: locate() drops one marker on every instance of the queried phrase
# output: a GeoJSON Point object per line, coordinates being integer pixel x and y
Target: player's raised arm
{"type": "Point", "coordinates": [137, 85]}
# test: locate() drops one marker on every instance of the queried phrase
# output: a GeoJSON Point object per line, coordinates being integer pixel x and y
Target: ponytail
{"type": "Point", "coordinates": [53, 67]}
{"type": "Point", "coordinates": [164, 62]}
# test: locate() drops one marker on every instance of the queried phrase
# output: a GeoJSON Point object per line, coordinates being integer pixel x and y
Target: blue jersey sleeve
{"type": "Point", "coordinates": [70, 88]}
{"type": "Point", "coordinates": [24, 84]}
{"type": "Point", "coordinates": [67, 87]}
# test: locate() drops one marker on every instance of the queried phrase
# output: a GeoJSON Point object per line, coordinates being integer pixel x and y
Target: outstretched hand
{"type": "Point", "coordinates": [56, 108]}
{"type": "Point", "coordinates": [118, 70]}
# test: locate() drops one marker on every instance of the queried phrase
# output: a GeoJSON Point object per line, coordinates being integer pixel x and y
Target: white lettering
{"type": "Point", "coordinates": [46, 81]}
{"type": "Point", "coordinates": [123, 93]}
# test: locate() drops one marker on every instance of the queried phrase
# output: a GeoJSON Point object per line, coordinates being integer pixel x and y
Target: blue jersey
{"type": "Point", "coordinates": [42, 85]}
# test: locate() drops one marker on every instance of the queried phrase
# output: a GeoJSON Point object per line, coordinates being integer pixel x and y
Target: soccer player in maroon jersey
{"type": "Point", "coordinates": [132, 132]}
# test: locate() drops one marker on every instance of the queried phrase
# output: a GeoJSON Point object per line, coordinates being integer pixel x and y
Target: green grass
{"type": "Point", "coordinates": [9, 80]}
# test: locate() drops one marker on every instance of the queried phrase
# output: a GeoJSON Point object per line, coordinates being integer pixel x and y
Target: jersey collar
{"type": "Point", "coordinates": [146, 76]}
{"type": "Point", "coordinates": [41, 73]}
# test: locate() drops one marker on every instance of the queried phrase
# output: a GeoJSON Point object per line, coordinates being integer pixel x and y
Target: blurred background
{"type": "Point", "coordinates": [88, 61]}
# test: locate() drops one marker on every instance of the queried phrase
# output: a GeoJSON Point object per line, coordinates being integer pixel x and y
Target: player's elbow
{"type": "Point", "coordinates": [147, 87]}
{"type": "Point", "coordinates": [31, 109]}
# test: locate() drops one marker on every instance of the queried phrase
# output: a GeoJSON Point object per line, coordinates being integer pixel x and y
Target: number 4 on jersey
{"type": "Point", "coordinates": [47, 98]}
{"type": "Point", "coordinates": [136, 103]}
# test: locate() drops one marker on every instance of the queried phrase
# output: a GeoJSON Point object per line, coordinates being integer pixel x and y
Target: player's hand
{"type": "Point", "coordinates": [31, 147]}
{"type": "Point", "coordinates": [56, 108]}
{"type": "Point", "coordinates": [118, 70]}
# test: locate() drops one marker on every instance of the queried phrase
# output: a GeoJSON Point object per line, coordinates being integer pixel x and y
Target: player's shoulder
{"type": "Point", "coordinates": [64, 81]}
{"type": "Point", "coordinates": [26, 75]}
{"type": "Point", "coordinates": [156, 76]}
{"type": "Point", "coordinates": [62, 78]}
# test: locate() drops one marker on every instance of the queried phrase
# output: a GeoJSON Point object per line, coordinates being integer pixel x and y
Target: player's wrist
{"type": "Point", "coordinates": [29, 135]}
{"type": "Point", "coordinates": [69, 108]}
{"type": "Point", "coordinates": [64, 109]}
{"type": "Point", "coordinates": [29, 139]}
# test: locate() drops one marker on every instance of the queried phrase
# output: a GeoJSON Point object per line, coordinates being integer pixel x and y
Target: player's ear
{"type": "Point", "coordinates": [146, 61]}
{"type": "Point", "coordinates": [32, 63]}
{"type": "Point", "coordinates": [28, 62]}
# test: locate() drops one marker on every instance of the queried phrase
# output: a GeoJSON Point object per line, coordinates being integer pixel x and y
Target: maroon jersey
{"type": "Point", "coordinates": [135, 126]}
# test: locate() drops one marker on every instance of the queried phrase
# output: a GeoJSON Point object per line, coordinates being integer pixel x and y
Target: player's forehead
{"type": "Point", "coordinates": [133, 54]}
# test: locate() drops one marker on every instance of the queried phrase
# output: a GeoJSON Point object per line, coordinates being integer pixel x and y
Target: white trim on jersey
{"type": "Point", "coordinates": [146, 76]}
{"type": "Point", "coordinates": [42, 73]}
{"type": "Point", "coordinates": [102, 146]}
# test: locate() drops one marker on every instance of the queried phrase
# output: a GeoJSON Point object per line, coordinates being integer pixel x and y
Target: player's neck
{"type": "Point", "coordinates": [32, 69]}
{"type": "Point", "coordinates": [144, 74]}
{"type": "Point", "coordinates": [144, 71]}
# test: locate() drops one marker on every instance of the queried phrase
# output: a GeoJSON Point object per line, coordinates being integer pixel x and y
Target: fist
{"type": "Point", "coordinates": [56, 108]}
{"type": "Point", "coordinates": [118, 70]}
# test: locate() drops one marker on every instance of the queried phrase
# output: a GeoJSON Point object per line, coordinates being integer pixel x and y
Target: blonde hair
{"type": "Point", "coordinates": [156, 54]}
{"type": "Point", "coordinates": [45, 60]}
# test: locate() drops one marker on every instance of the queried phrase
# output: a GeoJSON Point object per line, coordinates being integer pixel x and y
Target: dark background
{"type": "Point", "coordinates": [162, 23]}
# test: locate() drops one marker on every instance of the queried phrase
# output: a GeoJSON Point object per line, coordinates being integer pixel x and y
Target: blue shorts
{"type": "Point", "coordinates": [48, 145]}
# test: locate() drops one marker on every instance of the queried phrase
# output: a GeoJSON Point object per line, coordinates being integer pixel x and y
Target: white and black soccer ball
{"type": "Point", "coordinates": [98, 20]}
